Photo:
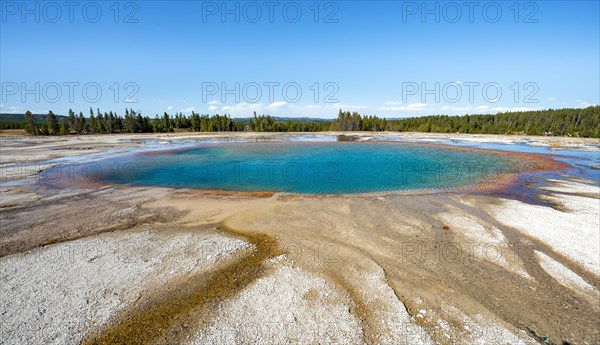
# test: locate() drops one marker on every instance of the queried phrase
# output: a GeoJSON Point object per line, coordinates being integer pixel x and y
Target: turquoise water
{"type": "Point", "coordinates": [319, 168]}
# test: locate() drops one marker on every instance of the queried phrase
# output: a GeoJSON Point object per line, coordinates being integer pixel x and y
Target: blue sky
{"type": "Point", "coordinates": [371, 57]}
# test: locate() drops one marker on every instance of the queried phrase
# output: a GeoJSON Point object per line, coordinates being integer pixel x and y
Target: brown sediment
{"type": "Point", "coordinates": [584, 195]}
{"type": "Point", "coordinates": [211, 192]}
{"type": "Point", "coordinates": [78, 214]}
{"type": "Point", "coordinates": [552, 202]}
{"type": "Point", "coordinates": [360, 307]}
{"type": "Point", "coordinates": [160, 316]}
{"type": "Point", "coordinates": [191, 193]}
{"type": "Point", "coordinates": [475, 285]}
{"type": "Point", "coordinates": [76, 183]}
{"type": "Point", "coordinates": [542, 308]}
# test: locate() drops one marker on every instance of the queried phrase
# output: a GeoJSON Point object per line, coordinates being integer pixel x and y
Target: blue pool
{"type": "Point", "coordinates": [301, 167]}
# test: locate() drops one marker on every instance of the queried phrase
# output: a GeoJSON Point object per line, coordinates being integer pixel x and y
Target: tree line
{"type": "Point", "coordinates": [134, 122]}
{"type": "Point", "coordinates": [565, 122]}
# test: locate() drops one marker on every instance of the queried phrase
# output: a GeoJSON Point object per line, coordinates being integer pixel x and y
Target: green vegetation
{"type": "Point", "coordinates": [564, 122]}
{"type": "Point", "coordinates": [575, 122]}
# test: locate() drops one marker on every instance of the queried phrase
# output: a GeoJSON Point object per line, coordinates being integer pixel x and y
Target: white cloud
{"type": "Point", "coordinates": [551, 99]}
{"type": "Point", "coordinates": [277, 104]}
{"type": "Point", "coordinates": [15, 110]}
{"type": "Point", "coordinates": [488, 109]}
{"type": "Point", "coordinates": [393, 103]}
{"type": "Point", "coordinates": [412, 107]}
{"type": "Point", "coordinates": [282, 108]}
{"type": "Point", "coordinates": [331, 107]}
{"type": "Point", "coordinates": [213, 108]}
{"type": "Point", "coordinates": [170, 107]}
{"type": "Point", "coordinates": [484, 109]}
{"type": "Point", "coordinates": [244, 109]}
{"type": "Point", "coordinates": [347, 106]}
{"type": "Point", "coordinates": [21, 110]}
{"type": "Point", "coordinates": [584, 104]}
{"type": "Point", "coordinates": [188, 109]}
{"type": "Point", "coordinates": [342, 106]}
{"type": "Point", "coordinates": [455, 109]}
{"type": "Point", "coordinates": [214, 102]}
{"type": "Point", "coordinates": [523, 109]}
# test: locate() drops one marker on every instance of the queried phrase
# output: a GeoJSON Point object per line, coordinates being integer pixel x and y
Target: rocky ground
{"type": "Point", "coordinates": [100, 265]}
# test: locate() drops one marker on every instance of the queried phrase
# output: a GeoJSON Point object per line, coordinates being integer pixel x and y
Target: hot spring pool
{"type": "Point", "coordinates": [300, 167]}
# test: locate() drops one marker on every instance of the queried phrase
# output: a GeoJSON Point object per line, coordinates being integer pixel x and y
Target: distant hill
{"type": "Point", "coordinates": [20, 118]}
{"type": "Point", "coordinates": [246, 120]}
{"type": "Point", "coordinates": [41, 118]}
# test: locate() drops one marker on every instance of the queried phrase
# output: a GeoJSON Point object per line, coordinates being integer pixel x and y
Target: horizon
{"type": "Point", "coordinates": [406, 60]}
{"type": "Point", "coordinates": [243, 117]}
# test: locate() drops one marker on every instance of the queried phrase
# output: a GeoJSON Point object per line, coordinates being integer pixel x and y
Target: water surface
{"type": "Point", "coordinates": [302, 167]}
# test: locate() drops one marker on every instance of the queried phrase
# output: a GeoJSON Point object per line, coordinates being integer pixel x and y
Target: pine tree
{"type": "Point", "coordinates": [52, 124]}
{"type": "Point", "coordinates": [91, 126]}
{"type": "Point", "coordinates": [107, 123]}
{"type": "Point", "coordinates": [63, 129]}
{"type": "Point", "coordinates": [195, 121]}
{"type": "Point", "coordinates": [98, 124]}
{"type": "Point", "coordinates": [166, 123]}
{"type": "Point", "coordinates": [82, 125]}
{"type": "Point", "coordinates": [139, 123]}
{"type": "Point", "coordinates": [156, 124]}
{"type": "Point", "coordinates": [29, 125]}
{"type": "Point", "coordinates": [72, 122]}
{"type": "Point", "coordinates": [111, 122]}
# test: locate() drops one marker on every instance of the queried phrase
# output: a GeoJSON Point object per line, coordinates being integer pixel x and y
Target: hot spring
{"type": "Point", "coordinates": [300, 167]}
